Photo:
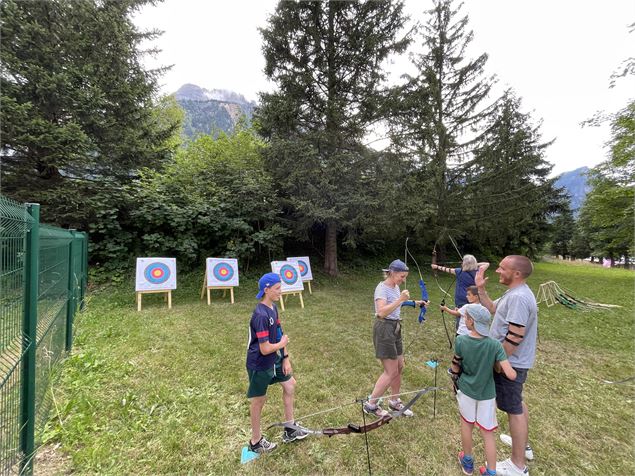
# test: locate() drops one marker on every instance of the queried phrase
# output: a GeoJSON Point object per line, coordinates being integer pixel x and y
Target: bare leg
{"type": "Point", "coordinates": [519, 429]}
{"type": "Point", "coordinates": [466, 437]}
{"type": "Point", "coordinates": [255, 410]}
{"type": "Point", "coordinates": [489, 441]}
{"type": "Point", "coordinates": [288, 392]}
{"type": "Point", "coordinates": [395, 385]}
{"type": "Point", "coordinates": [391, 370]}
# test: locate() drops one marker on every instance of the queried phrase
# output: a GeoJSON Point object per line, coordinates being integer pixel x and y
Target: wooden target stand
{"type": "Point", "coordinates": [167, 297]}
{"type": "Point", "coordinates": [209, 289]}
{"type": "Point", "coordinates": [291, 293]}
{"type": "Point", "coordinates": [309, 283]}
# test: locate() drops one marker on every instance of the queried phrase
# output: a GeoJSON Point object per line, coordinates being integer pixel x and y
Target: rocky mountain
{"type": "Point", "coordinates": [210, 111]}
{"type": "Point", "coordinates": [576, 185]}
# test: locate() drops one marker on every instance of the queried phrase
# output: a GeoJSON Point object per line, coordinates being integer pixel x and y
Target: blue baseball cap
{"type": "Point", "coordinates": [481, 317]}
{"type": "Point", "coordinates": [266, 281]}
{"type": "Point", "coordinates": [397, 266]}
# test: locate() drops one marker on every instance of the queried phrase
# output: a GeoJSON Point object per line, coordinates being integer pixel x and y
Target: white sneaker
{"type": "Point", "coordinates": [375, 410]}
{"type": "Point", "coordinates": [507, 468]}
{"type": "Point", "coordinates": [529, 452]}
{"type": "Point", "coordinates": [397, 405]}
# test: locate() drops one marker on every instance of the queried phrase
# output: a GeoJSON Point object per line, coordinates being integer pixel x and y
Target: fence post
{"type": "Point", "coordinates": [84, 268]}
{"type": "Point", "coordinates": [72, 291]}
{"type": "Point", "coordinates": [27, 423]}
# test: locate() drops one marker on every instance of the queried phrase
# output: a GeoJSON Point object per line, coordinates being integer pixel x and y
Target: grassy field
{"type": "Point", "coordinates": [163, 392]}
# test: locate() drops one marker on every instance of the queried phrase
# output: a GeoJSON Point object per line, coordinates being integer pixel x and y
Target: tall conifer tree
{"type": "Point", "coordinates": [326, 61]}
{"type": "Point", "coordinates": [78, 108]}
{"type": "Point", "coordinates": [443, 110]}
{"type": "Point", "coordinates": [507, 187]}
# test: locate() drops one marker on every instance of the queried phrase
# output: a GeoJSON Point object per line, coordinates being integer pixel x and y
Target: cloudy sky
{"type": "Point", "coordinates": [557, 55]}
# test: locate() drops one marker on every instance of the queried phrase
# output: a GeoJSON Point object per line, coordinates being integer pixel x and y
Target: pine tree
{"type": "Point", "coordinates": [564, 228]}
{"type": "Point", "coordinates": [507, 187]}
{"type": "Point", "coordinates": [326, 61]}
{"type": "Point", "coordinates": [442, 114]}
{"type": "Point", "coordinates": [78, 111]}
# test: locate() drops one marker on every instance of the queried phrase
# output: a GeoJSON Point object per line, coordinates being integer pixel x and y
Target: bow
{"type": "Point", "coordinates": [445, 292]}
{"type": "Point", "coordinates": [422, 284]}
{"type": "Point", "coordinates": [352, 427]}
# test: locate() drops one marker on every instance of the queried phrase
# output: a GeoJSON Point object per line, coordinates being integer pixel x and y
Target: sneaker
{"type": "Point", "coordinates": [486, 471]}
{"type": "Point", "coordinates": [529, 452]}
{"type": "Point", "coordinates": [375, 410]}
{"type": "Point", "coordinates": [467, 463]}
{"type": "Point", "coordinates": [397, 405]}
{"type": "Point", "coordinates": [296, 433]}
{"type": "Point", "coordinates": [507, 468]}
{"type": "Point", "coordinates": [263, 446]}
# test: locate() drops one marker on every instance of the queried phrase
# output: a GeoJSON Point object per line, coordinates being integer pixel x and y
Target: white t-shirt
{"type": "Point", "coordinates": [462, 330]}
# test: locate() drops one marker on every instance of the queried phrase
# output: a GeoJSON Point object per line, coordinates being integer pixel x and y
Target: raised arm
{"type": "Point", "coordinates": [443, 268]}
{"type": "Point", "coordinates": [382, 308]}
{"type": "Point", "coordinates": [480, 280]}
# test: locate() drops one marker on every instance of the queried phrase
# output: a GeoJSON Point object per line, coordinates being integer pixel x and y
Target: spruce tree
{"type": "Point", "coordinates": [78, 113]}
{"type": "Point", "coordinates": [507, 188]}
{"type": "Point", "coordinates": [441, 119]}
{"type": "Point", "coordinates": [326, 60]}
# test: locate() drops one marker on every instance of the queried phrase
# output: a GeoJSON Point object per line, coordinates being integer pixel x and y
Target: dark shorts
{"type": "Point", "coordinates": [259, 380]}
{"type": "Point", "coordinates": [387, 339]}
{"type": "Point", "coordinates": [509, 393]}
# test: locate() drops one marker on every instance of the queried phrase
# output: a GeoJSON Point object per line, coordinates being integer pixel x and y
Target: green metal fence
{"type": "Point", "coordinates": [43, 276]}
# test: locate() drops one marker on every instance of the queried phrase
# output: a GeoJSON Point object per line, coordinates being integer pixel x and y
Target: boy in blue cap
{"type": "Point", "coordinates": [475, 355]}
{"type": "Point", "coordinates": [268, 362]}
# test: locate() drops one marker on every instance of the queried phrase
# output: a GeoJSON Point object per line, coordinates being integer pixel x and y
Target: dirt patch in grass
{"type": "Point", "coordinates": [50, 461]}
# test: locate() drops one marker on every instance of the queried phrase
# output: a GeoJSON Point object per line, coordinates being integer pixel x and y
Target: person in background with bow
{"type": "Point", "coordinates": [464, 279]}
{"type": "Point", "coordinates": [387, 338]}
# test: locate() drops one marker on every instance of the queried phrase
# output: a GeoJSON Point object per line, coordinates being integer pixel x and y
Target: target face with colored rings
{"type": "Point", "coordinates": [157, 273]}
{"type": "Point", "coordinates": [223, 272]}
{"type": "Point", "coordinates": [288, 274]}
{"type": "Point", "coordinates": [303, 267]}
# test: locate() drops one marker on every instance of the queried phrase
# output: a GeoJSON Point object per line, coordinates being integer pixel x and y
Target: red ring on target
{"type": "Point", "coordinates": [223, 271]}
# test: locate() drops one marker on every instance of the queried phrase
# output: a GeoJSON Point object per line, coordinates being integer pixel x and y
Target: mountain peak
{"type": "Point", "coordinates": [210, 111]}
{"type": "Point", "coordinates": [192, 92]}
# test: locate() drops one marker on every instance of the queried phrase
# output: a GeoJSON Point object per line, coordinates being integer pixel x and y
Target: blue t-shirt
{"type": "Point", "coordinates": [464, 279]}
{"type": "Point", "coordinates": [263, 327]}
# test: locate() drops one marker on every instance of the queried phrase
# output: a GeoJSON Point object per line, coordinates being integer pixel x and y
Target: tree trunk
{"type": "Point", "coordinates": [330, 249]}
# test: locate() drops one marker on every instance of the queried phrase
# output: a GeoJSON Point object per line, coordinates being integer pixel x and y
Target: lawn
{"type": "Point", "coordinates": [163, 391]}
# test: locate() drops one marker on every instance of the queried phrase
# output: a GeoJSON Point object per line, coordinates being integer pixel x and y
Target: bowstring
{"type": "Point", "coordinates": [446, 291]}
{"type": "Point", "coordinates": [406, 254]}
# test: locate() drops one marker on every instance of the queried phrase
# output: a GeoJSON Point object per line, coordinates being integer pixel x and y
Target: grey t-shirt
{"type": "Point", "coordinates": [517, 306]}
{"type": "Point", "coordinates": [390, 295]}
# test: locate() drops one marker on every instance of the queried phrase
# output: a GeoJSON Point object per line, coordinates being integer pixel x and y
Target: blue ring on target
{"type": "Point", "coordinates": [304, 269]}
{"type": "Point", "coordinates": [218, 272]}
{"type": "Point", "coordinates": [288, 274]}
{"type": "Point", "coordinates": [157, 273]}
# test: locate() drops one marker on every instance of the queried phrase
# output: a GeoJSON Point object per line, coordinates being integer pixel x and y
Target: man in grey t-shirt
{"type": "Point", "coordinates": [515, 325]}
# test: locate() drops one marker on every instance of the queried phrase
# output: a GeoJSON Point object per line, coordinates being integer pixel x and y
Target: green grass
{"type": "Point", "coordinates": [163, 391]}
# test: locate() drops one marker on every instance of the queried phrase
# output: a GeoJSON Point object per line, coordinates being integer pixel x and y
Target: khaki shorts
{"type": "Point", "coordinates": [387, 339]}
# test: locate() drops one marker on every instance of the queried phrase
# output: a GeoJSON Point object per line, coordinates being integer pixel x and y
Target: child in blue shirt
{"type": "Point", "coordinates": [268, 362]}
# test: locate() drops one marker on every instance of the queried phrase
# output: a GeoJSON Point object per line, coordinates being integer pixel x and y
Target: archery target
{"type": "Point", "coordinates": [304, 264]}
{"type": "Point", "coordinates": [290, 276]}
{"type": "Point", "coordinates": [155, 274]}
{"type": "Point", "coordinates": [222, 272]}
